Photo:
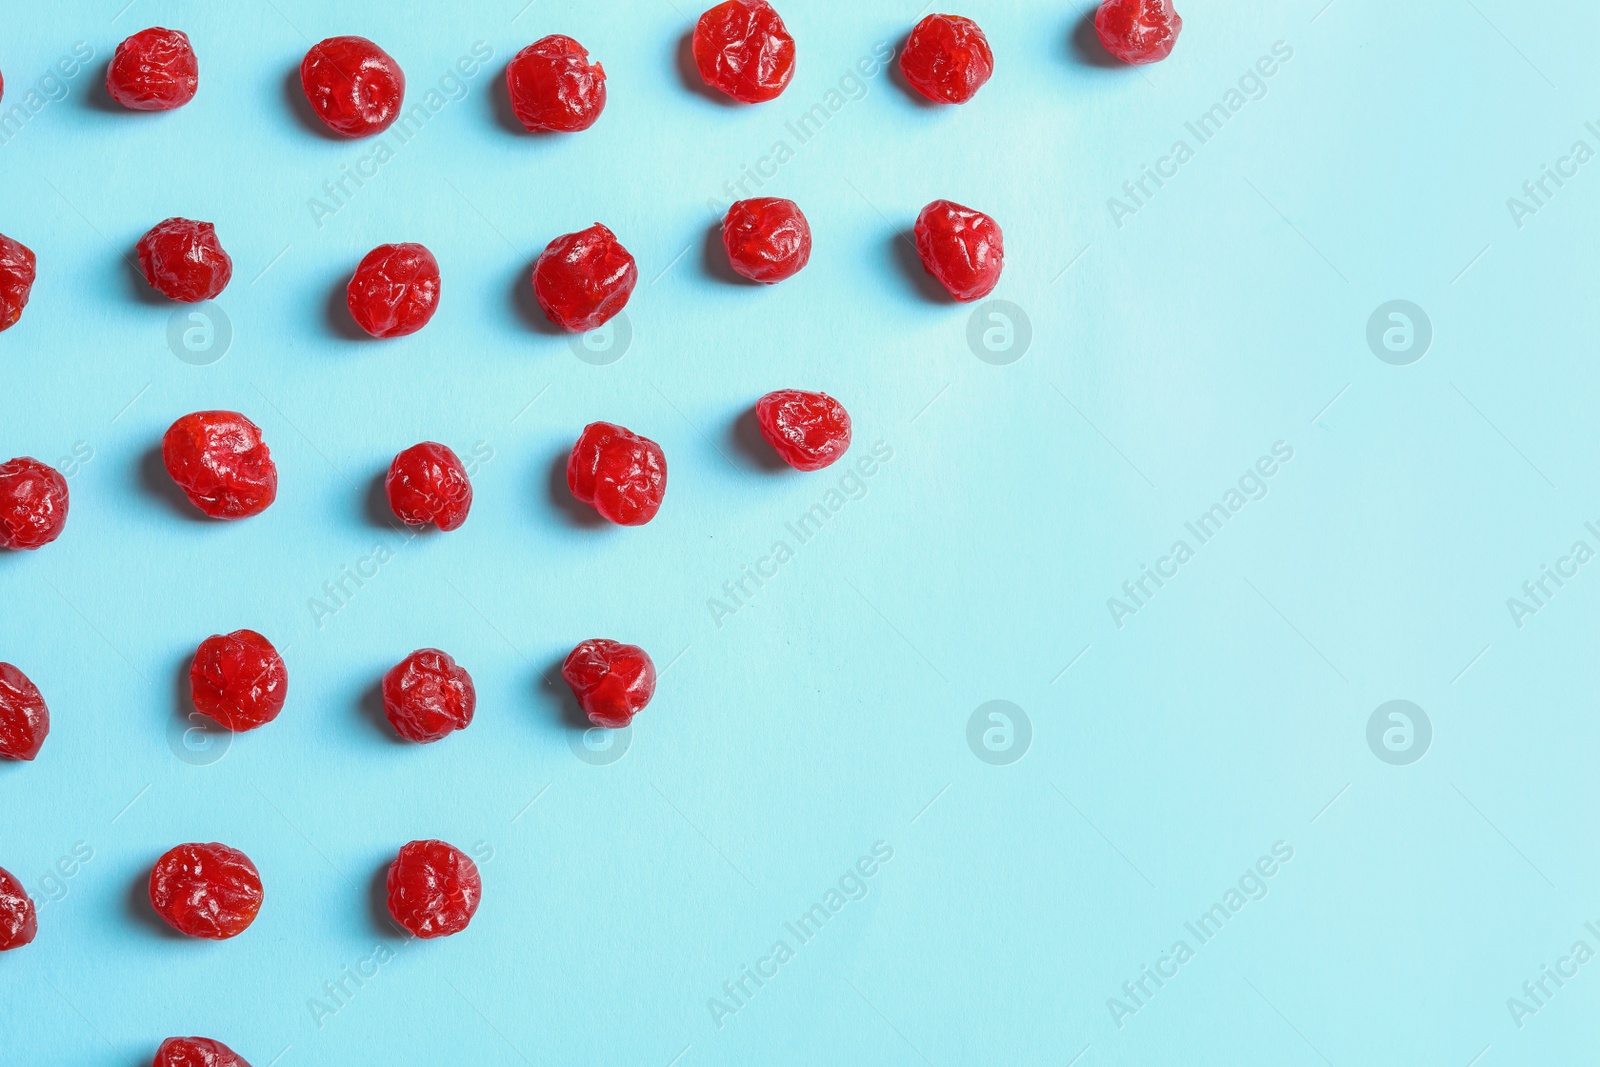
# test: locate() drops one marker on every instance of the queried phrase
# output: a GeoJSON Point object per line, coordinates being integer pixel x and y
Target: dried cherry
{"type": "Point", "coordinates": [395, 290]}
{"type": "Point", "coordinates": [18, 269]}
{"type": "Point", "coordinates": [960, 247]}
{"type": "Point", "coordinates": [183, 260]}
{"type": "Point", "coordinates": [428, 483]}
{"type": "Point", "coordinates": [154, 70]}
{"type": "Point", "coordinates": [19, 919]}
{"type": "Point", "coordinates": [428, 696]}
{"type": "Point", "coordinates": [583, 279]}
{"type": "Point", "coordinates": [210, 891]}
{"type": "Point", "coordinates": [33, 503]}
{"type": "Point", "coordinates": [554, 88]}
{"type": "Point", "coordinates": [355, 87]}
{"type": "Point", "coordinates": [1138, 31]}
{"type": "Point", "coordinates": [621, 475]}
{"type": "Point", "coordinates": [239, 680]}
{"type": "Point", "coordinates": [612, 681]}
{"type": "Point", "coordinates": [434, 889]}
{"type": "Point", "coordinates": [767, 239]}
{"type": "Point", "coordinates": [24, 719]}
{"type": "Point", "coordinates": [809, 431]}
{"type": "Point", "coordinates": [947, 59]}
{"type": "Point", "coordinates": [743, 49]}
{"type": "Point", "coordinates": [220, 462]}
{"type": "Point", "coordinates": [196, 1052]}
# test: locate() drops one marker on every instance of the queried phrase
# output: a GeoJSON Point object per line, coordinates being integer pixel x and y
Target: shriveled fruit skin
{"type": "Point", "coordinates": [612, 681]}
{"type": "Point", "coordinates": [1138, 31]}
{"type": "Point", "coordinates": [434, 889]}
{"type": "Point", "coordinates": [183, 260]}
{"type": "Point", "coordinates": [428, 695]}
{"type": "Point", "coordinates": [154, 70]}
{"type": "Point", "coordinates": [809, 431]}
{"type": "Point", "coordinates": [554, 88]}
{"type": "Point", "coordinates": [196, 1052]}
{"type": "Point", "coordinates": [583, 279]}
{"type": "Point", "coordinates": [18, 269]}
{"type": "Point", "coordinates": [947, 59]}
{"type": "Point", "coordinates": [767, 239]}
{"type": "Point", "coordinates": [33, 503]}
{"type": "Point", "coordinates": [620, 474]}
{"type": "Point", "coordinates": [355, 87]}
{"type": "Point", "coordinates": [19, 919]}
{"type": "Point", "coordinates": [24, 718]}
{"type": "Point", "coordinates": [206, 890]}
{"type": "Point", "coordinates": [220, 462]}
{"type": "Point", "coordinates": [395, 290]}
{"type": "Point", "coordinates": [743, 49]}
{"type": "Point", "coordinates": [239, 680]}
{"type": "Point", "coordinates": [962, 248]}
{"type": "Point", "coordinates": [428, 483]}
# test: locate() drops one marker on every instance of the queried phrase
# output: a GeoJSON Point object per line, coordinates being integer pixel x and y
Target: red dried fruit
{"type": "Point", "coordinates": [947, 59]}
{"type": "Point", "coordinates": [583, 279]}
{"type": "Point", "coordinates": [427, 483]}
{"type": "Point", "coordinates": [767, 239]}
{"type": "Point", "coordinates": [154, 70]}
{"type": "Point", "coordinates": [395, 290]}
{"type": "Point", "coordinates": [183, 260]}
{"type": "Point", "coordinates": [1138, 31]}
{"type": "Point", "coordinates": [554, 88]}
{"type": "Point", "coordinates": [960, 247]}
{"type": "Point", "coordinates": [743, 49]}
{"type": "Point", "coordinates": [239, 680]}
{"type": "Point", "coordinates": [33, 503]}
{"type": "Point", "coordinates": [24, 719]}
{"type": "Point", "coordinates": [354, 86]}
{"type": "Point", "coordinates": [18, 268]}
{"type": "Point", "coordinates": [612, 681]}
{"type": "Point", "coordinates": [621, 475]}
{"type": "Point", "coordinates": [809, 431]}
{"type": "Point", "coordinates": [428, 696]}
{"type": "Point", "coordinates": [434, 889]}
{"type": "Point", "coordinates": [19, 921]}
{"type": "Point", "coordinates": [220, 462]}
{"type": "Point", "coordinates": [209, 891]}
{"type": "Point", "coordinates": [196, 1052]}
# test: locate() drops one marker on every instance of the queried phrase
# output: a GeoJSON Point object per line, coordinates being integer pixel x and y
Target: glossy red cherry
{"type": "Point", "coordinates": [19, 919]}
{"type": "Point", "coordinates": [434, 889]}
{"type": "Point", "coordinates": [239, 680]}
{"type": "Point", "coordinates": [743, 50]}
{"type": "Point", "coordinates": [612, 681]}
{"type": "Point", "coordinates": [621, 475]}
{"type": "Point", "coordinates": [18, 269]}
{"type": "Point", "coordinates": [584, 279]}
{"type": "Point", "coordinates": [354, 86]}
{"type": "Point", "coordinates": [960, 247]}
{"type": "Point", "coordinates": [183, 260]}
{"type": "Point", "coordinates": [427, 696]}
{"type": "Point", "coordinates": [767, 239]}
{"type": "Point", "coordinates": [809, 431]}
{"type": "Point", "coordinates": [554, 88]}
{"type": "Point", "coordinates": [154, 70]}
{"type": "Point", "coordinates": [33, 503]}
{"type": "Point", "coordinates": [947, 59]}
{"type": "Point", "coordinates": [24, 719]}
{"type": "Point", "coordinates": [395, 290]}
{"type": "Point", "coordinates": [428, 483]}
{"type": "Point", "coordinates": [220, 462]}
{"type": "Point", "coordinates": [210, 891]}
{"type": "Point", "coordinates": [1138, 31]}
{"type": "Point", "coordinates": [196, 1052]}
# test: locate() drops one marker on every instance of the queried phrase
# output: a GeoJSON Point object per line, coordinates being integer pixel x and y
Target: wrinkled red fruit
{"type": "Point", "coordinates": [809, 431]}
{"type": "Point", "coordinates": [947, 59]}
{"type": "Point", "coordinates": [354, 86]}
{"type": "Point", "coordinates": [434, 889]}
{"type": "Point", "coordinates": [621, 475]}
{"type": "Point", "coordinates": [1138, 31]}
{"type": "Point", "coordinates": [220, 462]}
{"type": "Point", "coordinates": [18, 268]}
{"type": "Point", "coordinates": [196, 1052]}
{"type": "Point", "coordinates": [154, 70]}
{"type": "Point", "coordinates": [19, 921]}
{"type": "Point", "coordinates": [743, 49]}
{"type": "Point", "coordinates": [427, 483]}
{"type": "Point", "coordinates": [612, 681]}
{"type": "Point", "coordinates": [427, 696]}
{"type": "Point", "coordinates": [583, 279]}
{"type": "Point", "coordinates": [209, 891]}
{"type": "Point", "coordinates": [554, 88]}
{"type": "Point", "coordinates": [33, 503]}
{"type": "Point", "coordinates": [239, 680]}
{"type": "Point", "coordinates": [395, 290]}
{"type": "Point", "coordinates": [960, 247]}
{"type": "Point", "coordinates": [24, 719]}
{"type": "Point", "coordinates": [767, 239]}
{"type": "Point", "coordinates": [183, 260]}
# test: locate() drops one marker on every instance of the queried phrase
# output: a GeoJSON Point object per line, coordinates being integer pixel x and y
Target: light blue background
{"type": "Point", "coordinates": [1168, 354]}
